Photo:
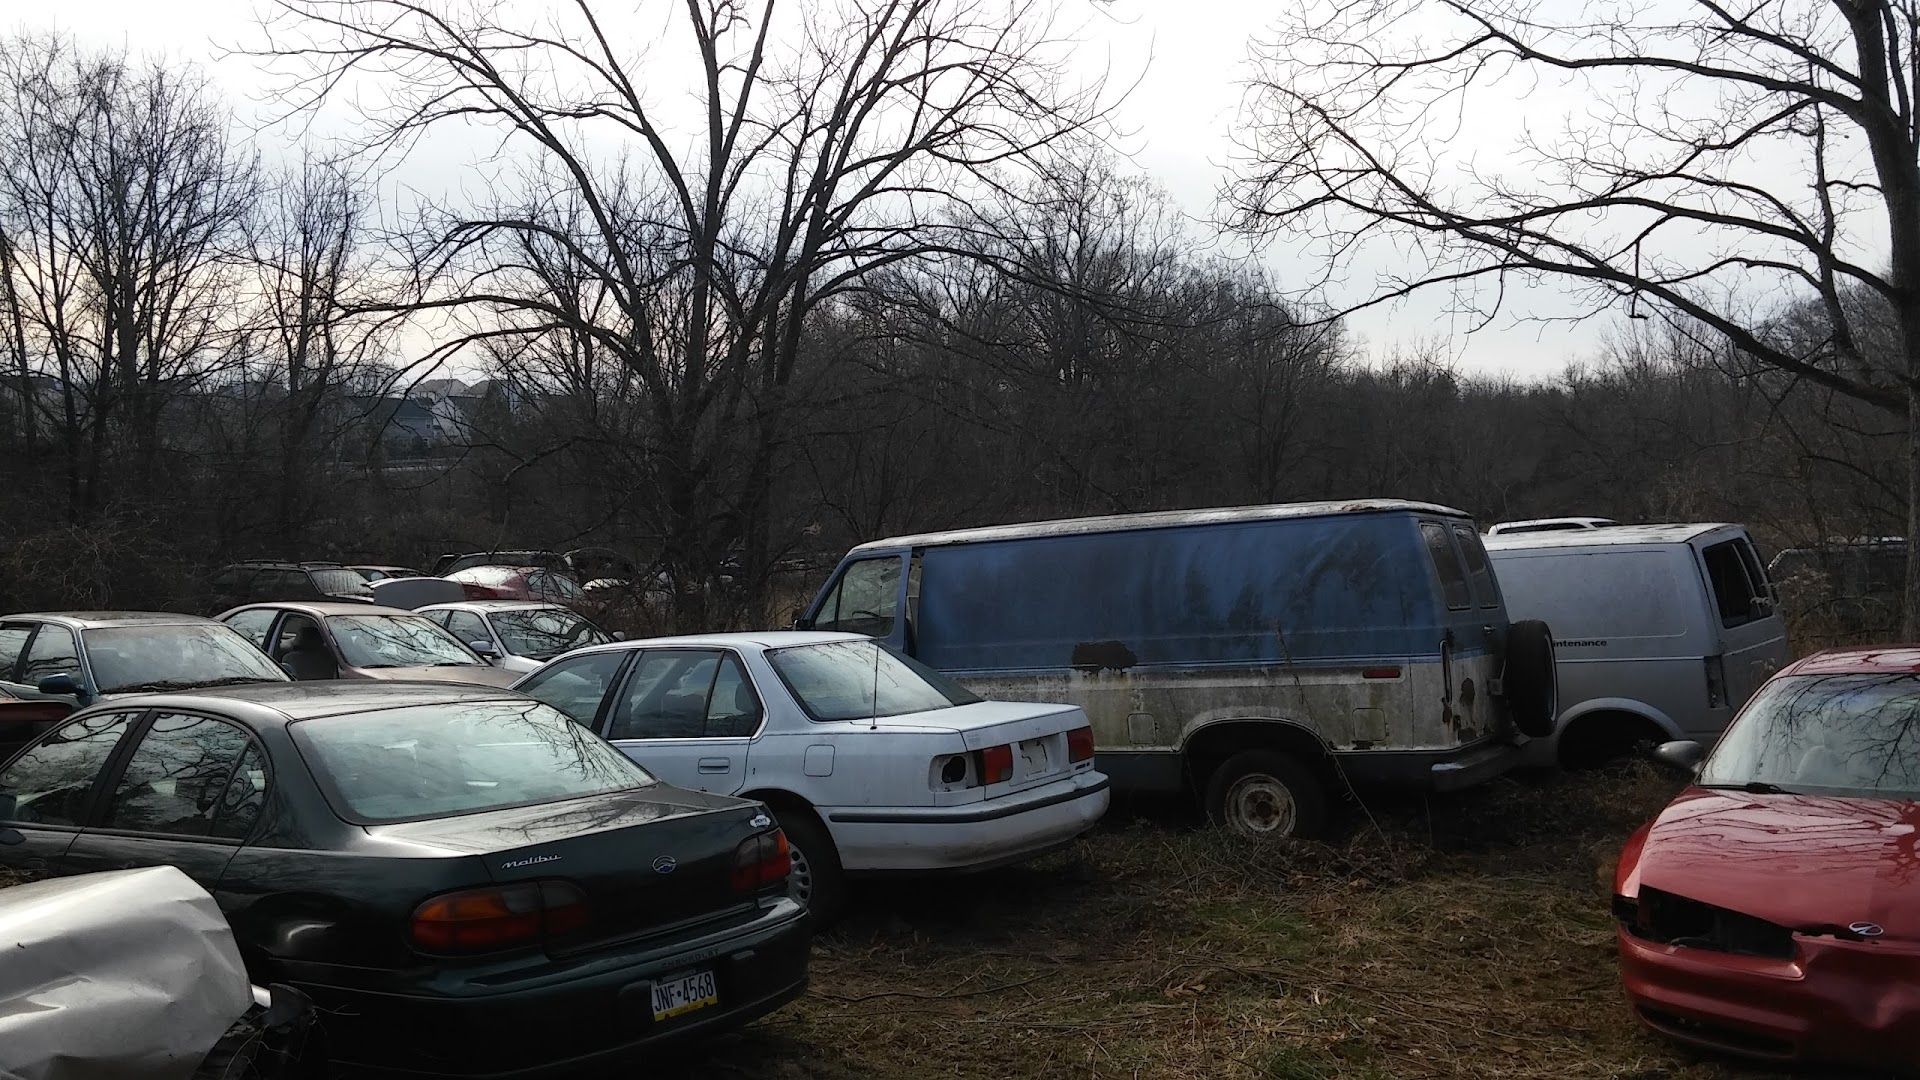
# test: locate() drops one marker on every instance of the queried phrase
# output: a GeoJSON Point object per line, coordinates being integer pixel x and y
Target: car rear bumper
{"type": "Point", "coordinates": [1433, 770]}
{"type": "Point", "coordinates": [589, 1012]}
{"type": "Point", "coordinates": [1841, 1002]}
{"type": "Point", "coordinates": [973, 836]}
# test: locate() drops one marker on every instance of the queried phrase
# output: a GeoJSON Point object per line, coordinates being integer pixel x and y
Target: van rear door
{"type": "Point", "coordinates": [1752, 636]}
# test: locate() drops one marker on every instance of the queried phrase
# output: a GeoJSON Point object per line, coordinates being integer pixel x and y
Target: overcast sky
{"type": "Point", "coordinates": [1179, 117]}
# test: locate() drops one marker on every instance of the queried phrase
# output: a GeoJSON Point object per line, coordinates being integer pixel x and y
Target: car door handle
{"type": "Point", "coordinates": [716, 764]}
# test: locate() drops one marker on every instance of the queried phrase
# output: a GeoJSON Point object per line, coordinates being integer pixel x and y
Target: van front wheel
{"type": "Point", "coordinates": [1260, 793]}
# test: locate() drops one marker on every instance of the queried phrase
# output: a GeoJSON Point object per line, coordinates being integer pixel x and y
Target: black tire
{"type": "Point", "coordinates": [1261, 793]}
{"type": "Point", "coordinates": [1532, 685]}
{"type": "Point", "coordinates": [817, 879]}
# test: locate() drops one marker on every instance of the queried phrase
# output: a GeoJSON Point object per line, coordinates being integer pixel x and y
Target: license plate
{"type": "Point", "coordinates": [677, 997]}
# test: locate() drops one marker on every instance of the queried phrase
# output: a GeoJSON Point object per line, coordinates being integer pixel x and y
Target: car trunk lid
{"type": "Point", "coordinates": [1036, 732]}
{"type": "Point", "coordinates": [644, 859]}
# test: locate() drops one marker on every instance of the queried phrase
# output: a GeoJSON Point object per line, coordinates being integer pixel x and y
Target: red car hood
{"type": "Point", "coordinates": [1802, 861]}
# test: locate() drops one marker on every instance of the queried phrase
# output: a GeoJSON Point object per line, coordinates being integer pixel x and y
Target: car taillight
{"type": "Point", "coordinates": [1080, 744]}
{"type": "Point", "coordinates": [996, 764]}
{"type": "Point", "coordinates": [482, 920]}
{"type": "Point", "coordinates": [1716, 682]}
{"type": "Point", "coordinates": [761, 861]}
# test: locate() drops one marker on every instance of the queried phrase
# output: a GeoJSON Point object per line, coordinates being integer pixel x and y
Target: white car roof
{"type": "Point", "coordinates": [493, 605]}
{"type": "Point", "coordinates": [769, 639]}
{"type": "Point", "coordinates": [1612, 535]}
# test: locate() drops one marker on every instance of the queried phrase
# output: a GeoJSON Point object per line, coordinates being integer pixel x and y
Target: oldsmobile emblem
{"type": "Point", "coordinates": [664, 864]}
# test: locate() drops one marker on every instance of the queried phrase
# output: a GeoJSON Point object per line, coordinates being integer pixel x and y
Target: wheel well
{"type": "Point", "coordinates": [1209, 748]}
{"type": "Point", "coordinates": [1605, 733]}
{"type": "Point", "coordinates": [784, 800]}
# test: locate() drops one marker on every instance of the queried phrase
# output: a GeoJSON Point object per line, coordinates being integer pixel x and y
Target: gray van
{"type": "Point", "coordinates": [1662, 631]}
{"type": "Point", "coordinates": [1261, 657]}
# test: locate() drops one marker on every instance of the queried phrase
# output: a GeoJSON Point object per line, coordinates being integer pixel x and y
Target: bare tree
{"type": "Point", "coordinates": [829, 140]}
{"type": "Point", "coordinates": [1724, 162]}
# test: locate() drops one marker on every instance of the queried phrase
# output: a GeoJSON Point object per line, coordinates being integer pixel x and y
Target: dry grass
{"type": "Point", "coordinates": [1466, 937]}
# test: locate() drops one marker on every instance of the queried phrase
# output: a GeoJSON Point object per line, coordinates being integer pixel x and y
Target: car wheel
{"type": "Point", "coordinates": [1263, 794]}
{"type": "Point", "coordinates": [816, 879]}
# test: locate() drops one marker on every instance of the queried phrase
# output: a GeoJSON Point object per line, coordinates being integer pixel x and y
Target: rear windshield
{"type": "Point", "coordinates": [128, 659]}
{"type": "Point", "coordinates": [543, 633]}
{"type": "Point", "coordinates": [340, 582]}
{"type": "Point", "coordinates": [430, 761]}
{"type": "Point", "coordinates": [857, 680]}
{"type": "Point", "coordinates": [382, 641]}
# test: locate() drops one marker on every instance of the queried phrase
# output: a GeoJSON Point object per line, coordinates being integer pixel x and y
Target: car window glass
{"type": "Point", "coordinates": [863, 601]}
{"type": "Point", "coordinates": [245, 794]}
{"type": "Point", "coordinates": [1733, 592]}
{"type": "Point", "coordinates": [666, 697]}
{"type": "Point", "coordinates": [377, 641]}
{"type": "Point", "coordinates": [576, 686]}
{"type": "Point", "coordinates": [13, 640]}
{"type": "Point", "coordinates": [51, 653]}
{"type": "Point", "coordinates": [292, 629]}
{"type": "Point", "coordinates": [733, 711]}
{"type": "Point", "coordinates": [252, 624]}
{"type": "Point", "coordinates": [467, 626]}
{"type": "Point", "coordinates": [1446, 563]}
{"type": "Point", "coordinates": [848, 680]}
{"type": "Point", "coordinates": [1477, 570]}
{"type": "Point", "coordinates": [175, 778]}
{"type": "Point", "coordinates": [173, 656]}
{"type": "Point", "coordinates": [48, 784]}
{"type": "Point", "coordinates": [543, 633]}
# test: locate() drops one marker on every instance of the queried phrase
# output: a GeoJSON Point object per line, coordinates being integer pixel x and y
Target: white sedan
{"type": "Point", "coordinates": [516, 635]}
{"type": "Point", "coordinates": [872, 761]}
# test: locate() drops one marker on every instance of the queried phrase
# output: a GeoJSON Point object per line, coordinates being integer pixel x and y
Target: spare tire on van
{"type": "Point", "coordinates": [1531, 683]}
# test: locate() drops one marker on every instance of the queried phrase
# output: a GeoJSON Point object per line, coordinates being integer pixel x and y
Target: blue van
{"type": "Point", "coordinates": [1262, 657]}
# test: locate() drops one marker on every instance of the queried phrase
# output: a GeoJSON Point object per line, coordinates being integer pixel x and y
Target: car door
{"type": "Point", "coordinates": [47, 793]}
{"type": "Point", "coordinates": [186, 796]}
{"type": "Point", "coordinates": [51, 651]}
{"type": "Point", "coordinates": [689, 717]}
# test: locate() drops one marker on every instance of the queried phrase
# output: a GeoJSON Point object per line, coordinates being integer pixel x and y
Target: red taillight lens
{"type": "Point", "coordinates": [996, 764]}
{"type": "Point", "coordinates": [482, 920]}
{"type": "Point", "coordinates": [761, 861]}
{"type": "Point", "coordinates": [1080, 744]}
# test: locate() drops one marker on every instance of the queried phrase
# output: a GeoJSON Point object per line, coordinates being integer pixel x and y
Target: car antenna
{"type": "Point", "coordinates": [873, 710]}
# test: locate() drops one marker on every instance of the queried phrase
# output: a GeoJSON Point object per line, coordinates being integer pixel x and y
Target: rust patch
{"type": "Point", "coordinates": [1102, 656]}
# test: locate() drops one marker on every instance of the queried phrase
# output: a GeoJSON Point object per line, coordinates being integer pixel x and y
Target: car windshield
{"type": "Point", "coordinates": [543, 633]}
{"type": "Point", "coordinates": [339, 583]}
{"type": "Point", "coordinates": [1825, 734]}
{"type": "Point", "coordinates": [429, 761]}
{"type": "Point", "coordinates": [180, 656]}
{"type": "Point", "coordinates": [857, 680]}
{"type": "Point", "coordinates": [375, 641]}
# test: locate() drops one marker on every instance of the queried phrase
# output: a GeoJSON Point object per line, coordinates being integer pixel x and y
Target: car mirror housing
{"type": "Point", "coordinates": [63, 684]}
{"type": "Point", "coordinates": [484, 649]}
{"type": "Point", "coordinates": [1683, 755]}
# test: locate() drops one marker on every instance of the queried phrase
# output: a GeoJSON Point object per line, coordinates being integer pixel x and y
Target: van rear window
{"type": "Point", "coordinates": [1446, 563]}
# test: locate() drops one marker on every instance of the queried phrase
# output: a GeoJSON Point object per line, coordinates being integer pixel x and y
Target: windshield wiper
{"type": "Point", "coordinates": [182, 684]}
{"type": "Point", "coordinates": [1752, 787]}
{"type": "Point", "coordinates": [454, 663]}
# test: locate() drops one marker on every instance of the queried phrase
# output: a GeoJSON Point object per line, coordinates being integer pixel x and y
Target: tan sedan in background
{"type": "Point", "coordinates": [356, 641]}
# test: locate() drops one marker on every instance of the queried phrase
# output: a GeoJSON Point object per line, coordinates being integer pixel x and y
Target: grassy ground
{"type": "Point", "coordinates": [1468, 936]}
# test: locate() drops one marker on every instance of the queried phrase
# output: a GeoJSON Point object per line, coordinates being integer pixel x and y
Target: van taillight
{"type": "Point", "coordinates": [1716, 682]}
{"type": "Point", "coordinates": [1080, 744]}
{"type": "Point", "coordinates": [761, 861]}
{"type": "Point", "coordinates": [482, 920]}
{"type": "Point", "coordinates": [996, 764]}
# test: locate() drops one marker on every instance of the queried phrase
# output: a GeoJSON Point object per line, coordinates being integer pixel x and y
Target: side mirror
{"type": "Point", "coordinates": [62, 685]}
{"type": "Point", "coordinates": [485, 649]}
{"type": "Point", "coordinates": [1681, 756]}
{"type": "Point", "coordinates": [619, 635]}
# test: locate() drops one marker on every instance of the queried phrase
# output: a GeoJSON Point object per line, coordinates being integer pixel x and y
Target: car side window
{"type": "Point", "coordinates": [253, 625]}
{"type": "Point", "coordinates": [577, 685]}
{"type": "Point", "coordinates": [177, 776]}
{"type": "Point", "coordinates": [13, 642]}
{"type": "Point", "coordinates": [1477, 569]}
{"type": "Point", "coordinates": [1446, 563]}
{"type": "Point", "coordinates": [666, 697]}
{"type": "Point", "coordinates": [733, 710]}
{"type": "Point", "coordinates": [467, 626]}
{"type": "Point", "coordinates": [243, 798]}
{"type": "Point", "coordinates": [49, 783]}
{"type": "Point", "coordinates": [52, 652]}
{"type": "Point", "coordinates": [1733, 591]}
{"type": "Point", "coordinates": [864, 600]}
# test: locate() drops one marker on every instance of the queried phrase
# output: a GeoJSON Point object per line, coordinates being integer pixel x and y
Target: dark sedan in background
{"type": "Point", "coordinates": [466, 882]}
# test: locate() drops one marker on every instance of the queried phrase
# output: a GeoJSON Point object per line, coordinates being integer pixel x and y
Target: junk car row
{"type": "Point", "coordinates": [434, 806]}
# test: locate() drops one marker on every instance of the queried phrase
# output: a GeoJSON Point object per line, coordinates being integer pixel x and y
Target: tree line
{"type": "Point", "coordinates": [885, 278]}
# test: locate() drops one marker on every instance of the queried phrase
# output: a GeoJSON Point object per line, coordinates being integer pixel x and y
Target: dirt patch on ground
{"type": "Point", "coordinates": [1465, 936]}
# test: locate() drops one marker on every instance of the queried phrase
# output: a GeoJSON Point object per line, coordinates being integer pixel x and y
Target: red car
{"type": "Point", "coordinates": [1773, 909]}
{"type": "Point", "coordinates": [520, 583]}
